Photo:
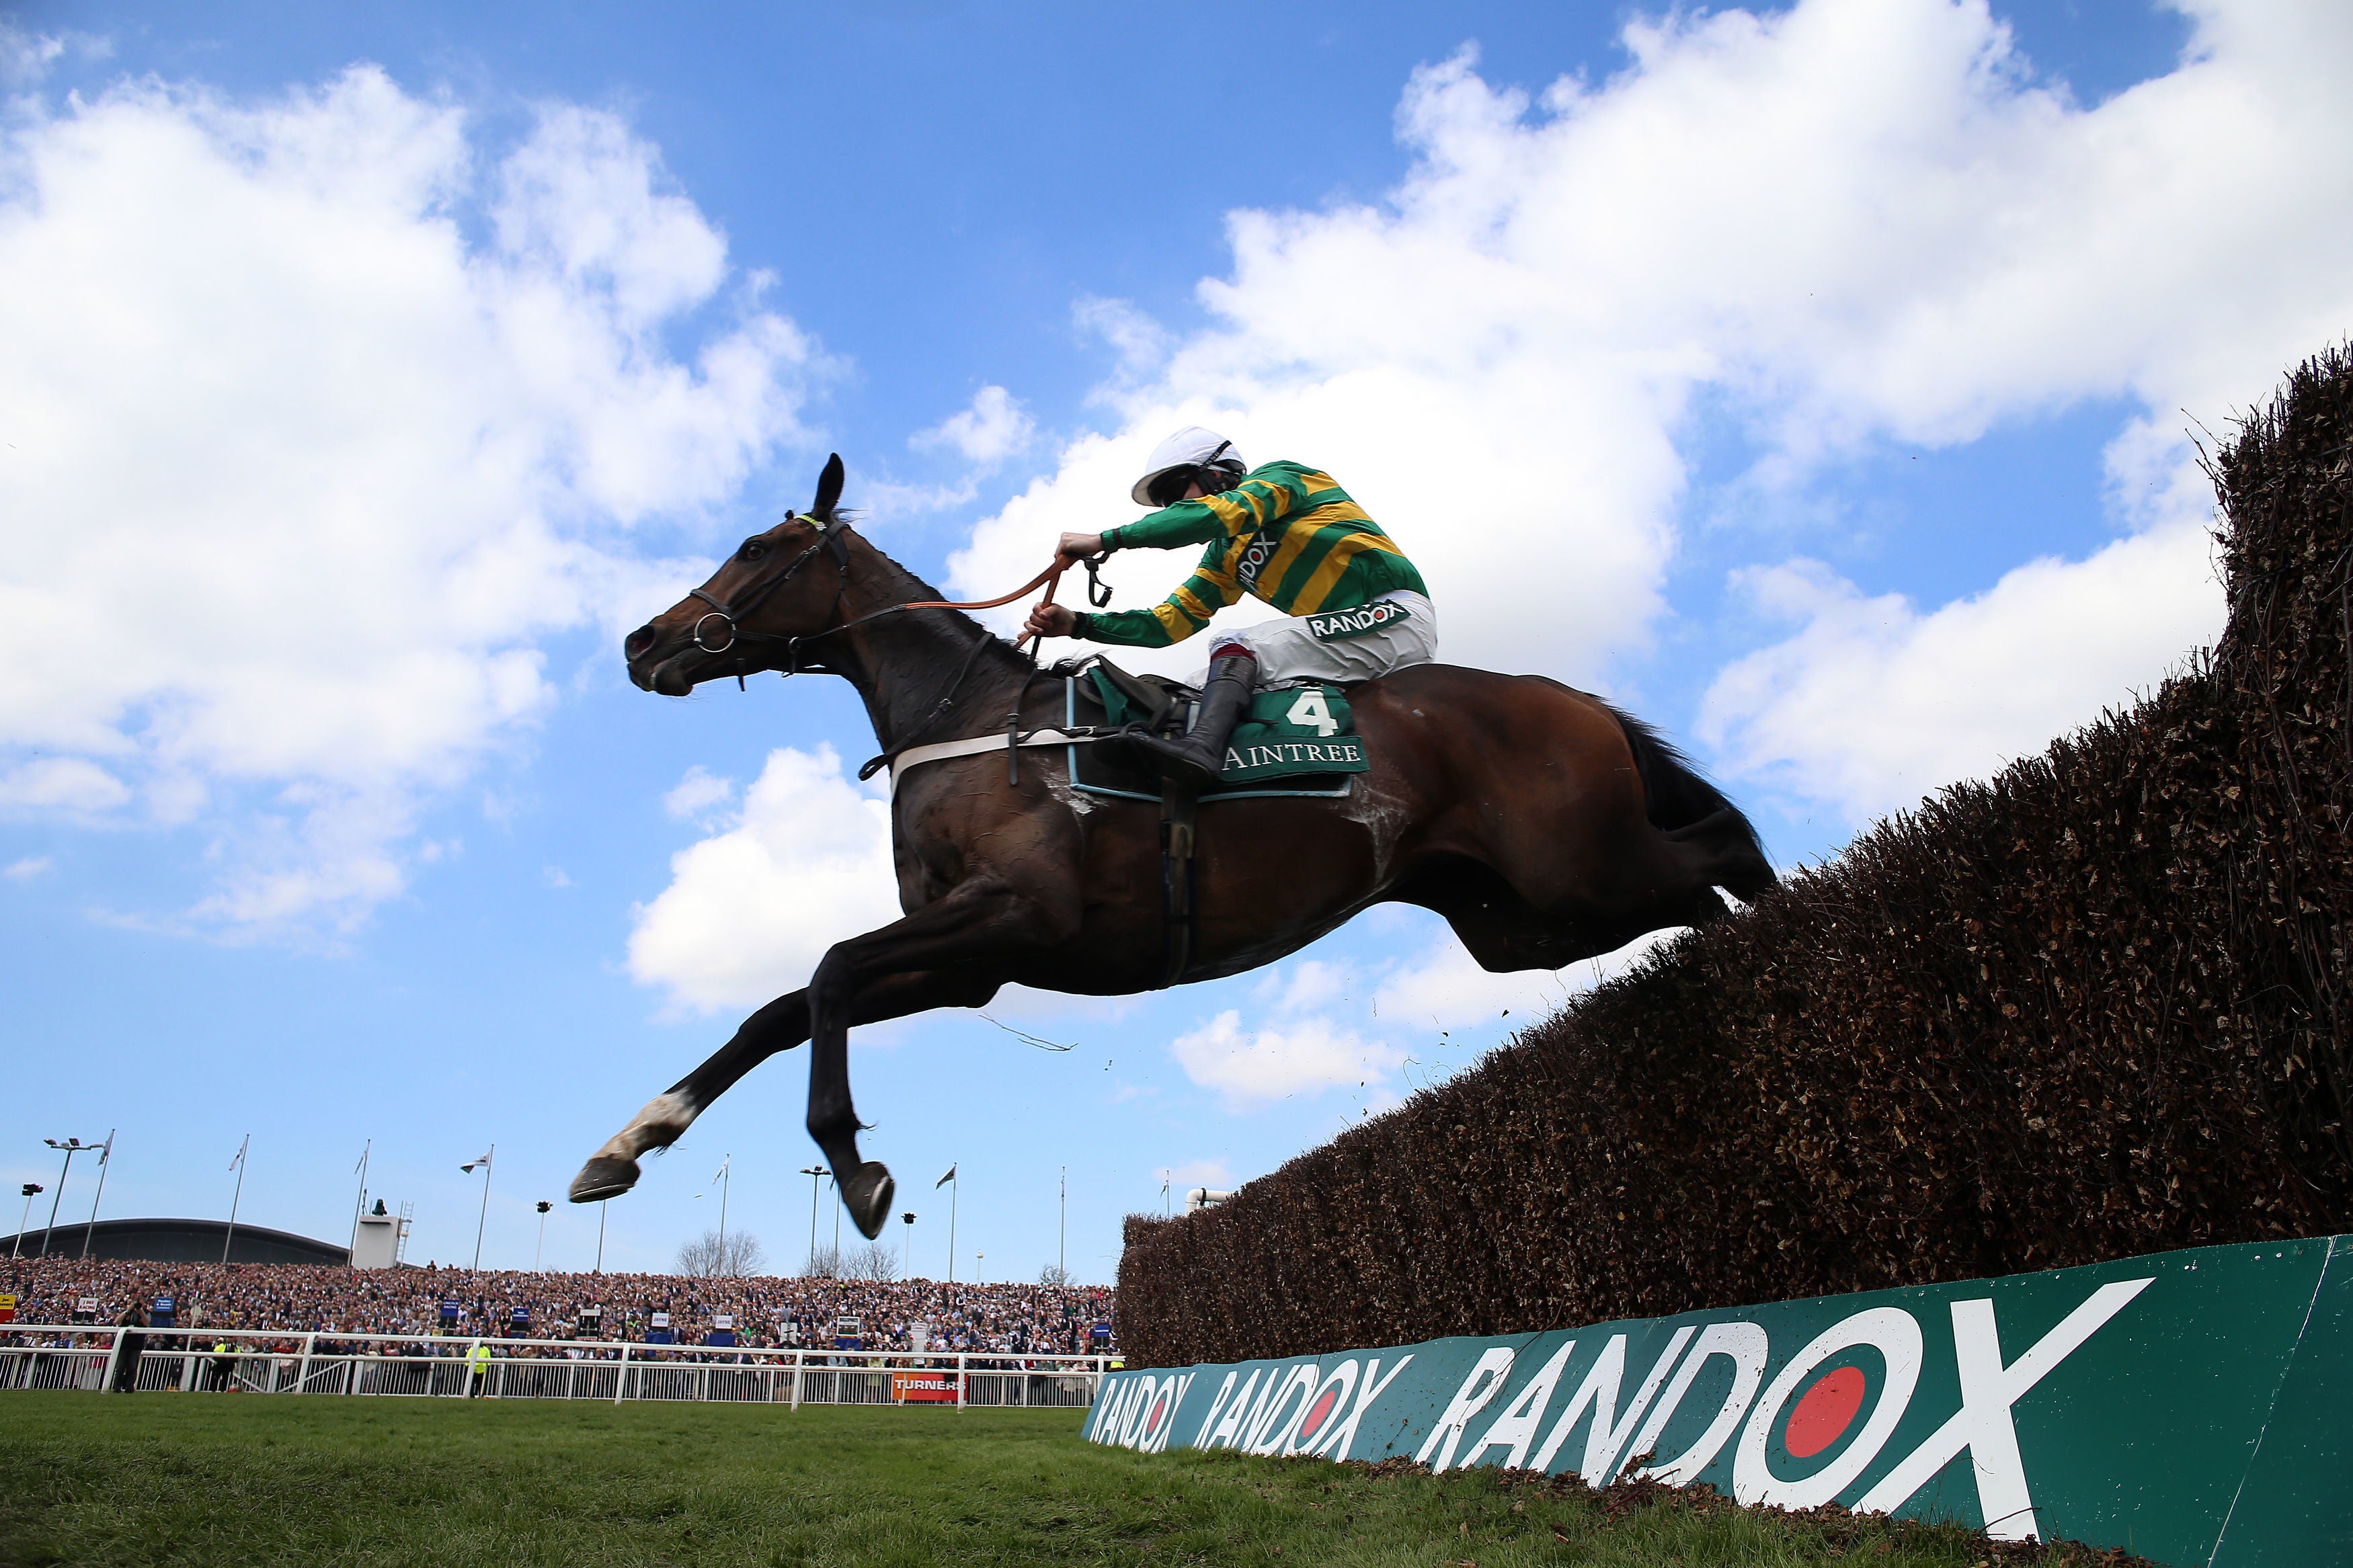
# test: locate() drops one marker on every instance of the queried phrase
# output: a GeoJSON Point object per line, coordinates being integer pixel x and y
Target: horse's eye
{"type": "Point", "coordinates": [753, 550]}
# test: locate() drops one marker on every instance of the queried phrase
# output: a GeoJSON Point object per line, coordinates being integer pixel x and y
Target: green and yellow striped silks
{"type": "Point", "coordinates": [1286, 534]}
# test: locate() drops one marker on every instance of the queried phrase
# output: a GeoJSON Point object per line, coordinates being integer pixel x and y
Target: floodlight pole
{"type": "Point", "coordinates": [71, 1146]}
{"type": "Point", "coordinates": [815, 1173]}
{"type": "Point", "coordinates": [105, 1156]}
{"type": "Point", "coordinates": [32, 1190]}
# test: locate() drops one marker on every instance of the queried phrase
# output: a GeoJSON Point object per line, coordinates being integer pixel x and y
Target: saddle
{"type": "Point", "coordinates": [1298, 739]}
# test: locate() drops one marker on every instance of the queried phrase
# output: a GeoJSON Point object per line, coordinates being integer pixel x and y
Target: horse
{"type": "Point", "coordinates": [1541, 823]}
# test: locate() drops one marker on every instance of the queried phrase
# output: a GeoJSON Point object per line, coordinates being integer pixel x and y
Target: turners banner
{"type": "Point", "coordinates": [916, 1387]}
{"type": "Point", "coordinates": [2190, 1406]}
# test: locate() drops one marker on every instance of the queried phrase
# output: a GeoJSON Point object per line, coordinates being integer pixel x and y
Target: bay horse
{"type": "Point", "coordinates": [1545, 826]}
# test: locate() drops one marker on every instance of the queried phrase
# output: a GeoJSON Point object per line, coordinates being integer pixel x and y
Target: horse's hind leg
{"type": "Point", "coordinates": [1729, 856]}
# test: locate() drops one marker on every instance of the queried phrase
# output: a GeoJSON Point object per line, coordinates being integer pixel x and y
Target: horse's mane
{"type": "Point", "coordinates": [905, 586]}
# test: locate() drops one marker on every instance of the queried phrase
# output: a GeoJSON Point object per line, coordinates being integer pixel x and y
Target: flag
{"type": "Point", "coordinates": [722, 1171]}
{"type": "Point", "coordinates": [238, 1158]}
{"type": "Point", "coordinates": [468, 1166]}
{"type": "Point", "coordinates": [944, 1181]}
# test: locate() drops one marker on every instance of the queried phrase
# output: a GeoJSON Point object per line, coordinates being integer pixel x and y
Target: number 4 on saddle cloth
{"type": "Point", "coordinates": [1298, 739]}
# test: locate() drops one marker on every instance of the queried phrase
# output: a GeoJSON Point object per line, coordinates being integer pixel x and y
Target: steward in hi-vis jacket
{"type": "Point", "coordinates": [1282, 532]}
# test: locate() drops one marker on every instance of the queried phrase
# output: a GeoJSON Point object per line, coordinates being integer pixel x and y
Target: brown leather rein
{"type": "Point", "coordinates": [836, 537]}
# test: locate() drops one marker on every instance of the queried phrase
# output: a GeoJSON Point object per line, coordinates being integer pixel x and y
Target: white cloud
{"type": "Point", "coordinates": [331, 464]}
{"type": "Point", "coordinates": [1327, 1026]}
{"type": "Point", "coordinates": [749, 910]}
{"type": "Point", "coordinates": [1305, 987]}
{"type": "Point", "coordinates": [885, 501]}
{"type": "Point", "coordinates": [1876, 703]}
{"type": "Point", "coordinates": [1847, 223]}
{"type": "Point", "coordinates": [1141, 344]}
{"type": "Point", "coordinates": [991, 430]}
{"type": "Point", "coordinates": [26, 58]}
{"type": "Point", "coordinates": [65, 785]}
{"type": "Point", "coordinates": [24, 870]}
{"type": "Point", "coordinates": [1444, 988]}
{"type": "Point", "coordinates": [696, 794]}
{"type": "Point", "coordinates": [1294, 1056]}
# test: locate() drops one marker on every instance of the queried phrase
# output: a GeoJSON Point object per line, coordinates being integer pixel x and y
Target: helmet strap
{"type": "Point", "coordinates": [1215, 477]}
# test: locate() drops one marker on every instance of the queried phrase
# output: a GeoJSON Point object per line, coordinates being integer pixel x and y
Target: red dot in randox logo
{"type": "Point", "coordinates": [1317, 1413]}
{"type": "Point", "coordinates": [1824, 1412]}
{"type": "Point", "coordinates": [1159, 1408]}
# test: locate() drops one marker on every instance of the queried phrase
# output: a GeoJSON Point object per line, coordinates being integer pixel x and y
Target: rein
{"type": "Point", "coordinates": [836, 536]}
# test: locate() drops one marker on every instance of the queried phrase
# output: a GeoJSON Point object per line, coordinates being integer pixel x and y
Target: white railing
{"type": "Point", "coordinates": [263, 1361]}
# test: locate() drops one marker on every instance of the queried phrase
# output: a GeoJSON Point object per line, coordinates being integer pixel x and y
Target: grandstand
{"type": "Point", "coordinates": [765, 1311]}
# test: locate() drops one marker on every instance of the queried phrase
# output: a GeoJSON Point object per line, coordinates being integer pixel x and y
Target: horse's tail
{"type": "Point", "coordinates": [1678, 796]}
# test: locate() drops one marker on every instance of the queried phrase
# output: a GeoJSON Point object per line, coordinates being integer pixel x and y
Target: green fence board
{"type": "Point", "coordinates": [2191, 1406]}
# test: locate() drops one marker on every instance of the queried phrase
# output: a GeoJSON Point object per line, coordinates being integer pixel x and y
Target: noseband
{"type": "Point", "coordinates": [829, 535]}
{"type": "Point", "coordinates": [837, 536]}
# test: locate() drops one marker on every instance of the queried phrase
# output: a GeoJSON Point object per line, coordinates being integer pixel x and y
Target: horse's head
{"type": "Point", "coordinates": [778, 585]}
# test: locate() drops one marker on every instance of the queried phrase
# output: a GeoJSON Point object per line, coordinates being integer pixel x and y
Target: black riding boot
{"type": "Point", "coordinates": [1195, 760]}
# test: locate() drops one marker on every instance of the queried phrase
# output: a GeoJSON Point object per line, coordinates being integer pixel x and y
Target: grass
{"type": "Point", "coordinates": [197, 1479]}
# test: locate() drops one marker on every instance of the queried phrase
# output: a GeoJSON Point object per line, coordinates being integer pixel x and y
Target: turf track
{"type": "Point", "coordinates": [229, 1479]}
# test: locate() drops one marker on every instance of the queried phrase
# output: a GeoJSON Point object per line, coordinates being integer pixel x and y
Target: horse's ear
{"type": "Point", "coordinates": [829, 488]}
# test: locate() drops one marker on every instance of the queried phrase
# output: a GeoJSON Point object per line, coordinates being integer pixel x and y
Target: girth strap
{"type": "Point", "coordinates": [972, 746]}
{"type": "Point", "coordinates": [1178, 806]}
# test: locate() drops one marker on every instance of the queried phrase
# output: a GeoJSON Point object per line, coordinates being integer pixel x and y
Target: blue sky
{"type": "Point", "coordinates": [1815, 381]}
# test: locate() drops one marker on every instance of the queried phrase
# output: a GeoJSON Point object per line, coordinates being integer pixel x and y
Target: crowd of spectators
{"type": "Point", "coordinates": [766, 1310]}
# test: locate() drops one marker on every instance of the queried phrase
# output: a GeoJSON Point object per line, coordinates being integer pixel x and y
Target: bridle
{"type": "Point", "coordinates": [835, 536]}
{"type": "Point", "coordinates": [832, 536]}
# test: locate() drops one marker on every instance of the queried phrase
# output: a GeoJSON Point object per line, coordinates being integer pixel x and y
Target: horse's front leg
{"type": "Point", "coordinates": [613, 1169]}
{"type": "Point", "coordinates": [966, 938]}
{"type": "Point", "coordinates": [778, 1026]}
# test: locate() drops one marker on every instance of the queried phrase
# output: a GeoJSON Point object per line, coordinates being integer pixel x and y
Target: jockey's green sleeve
{"type": "Point", "coordinates": [1286, 534]}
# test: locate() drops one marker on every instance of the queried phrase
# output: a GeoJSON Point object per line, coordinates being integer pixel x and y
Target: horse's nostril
{"type": "Point", "coordinates": [638, 642]}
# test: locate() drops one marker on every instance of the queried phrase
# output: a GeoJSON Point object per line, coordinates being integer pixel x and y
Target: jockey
{"type": "Point", "coordinates": [1280, 532]}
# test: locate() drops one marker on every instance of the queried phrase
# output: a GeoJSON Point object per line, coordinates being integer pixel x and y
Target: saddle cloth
{"type": "Point", "coordinates": [1298, 739]}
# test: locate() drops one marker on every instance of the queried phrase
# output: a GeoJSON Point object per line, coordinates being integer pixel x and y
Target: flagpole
{"type": "Point", "coordinates": [488, 1169]}
{"type": "Point", "coordinates": [105, 1155]}
{"type": "Point", "coordinates": [1062, 1239]}
{"type": "Point", "coordinates": [360, 1202]}
{"type": "Point", "coordinates": [955, 1183]}
{"type": "Point", "coordinates": [236, 1198]}
{"type": "Point", "coordinates": [726, 1172]}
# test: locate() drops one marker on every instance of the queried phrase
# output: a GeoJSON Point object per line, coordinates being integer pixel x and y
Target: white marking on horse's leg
{"type": "Point", "coordinates": [661, 1123]}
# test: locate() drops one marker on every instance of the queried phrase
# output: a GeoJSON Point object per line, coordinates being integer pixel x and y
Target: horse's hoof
{"type": "Point", "coordinates": [606, 1177]}
{"type": "Point", "coordinates": [866, 1195]}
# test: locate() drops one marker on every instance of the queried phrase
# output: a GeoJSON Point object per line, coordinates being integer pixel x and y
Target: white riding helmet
{"type": "Point", "coordinates": [1188, 448]}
